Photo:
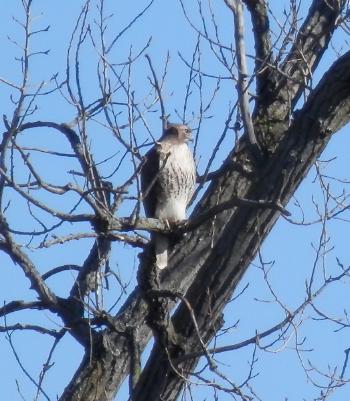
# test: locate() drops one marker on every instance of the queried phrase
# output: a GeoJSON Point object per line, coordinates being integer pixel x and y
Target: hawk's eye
{"type": "Point", "coordinates": [187, 131]}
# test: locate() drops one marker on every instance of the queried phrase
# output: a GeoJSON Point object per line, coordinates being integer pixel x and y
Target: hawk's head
{"type": "Point", "coordinates": [177, 133]}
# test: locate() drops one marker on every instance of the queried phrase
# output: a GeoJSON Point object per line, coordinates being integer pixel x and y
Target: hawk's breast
{"type": "Point", "coordinates": [176, 182]}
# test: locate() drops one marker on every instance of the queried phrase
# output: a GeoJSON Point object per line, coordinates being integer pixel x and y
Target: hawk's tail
{"type": "Point", "coordinates": [161, 245]}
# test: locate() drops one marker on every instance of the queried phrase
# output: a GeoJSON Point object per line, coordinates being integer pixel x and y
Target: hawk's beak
{"type": "Point", "coordinates": [189, 136]}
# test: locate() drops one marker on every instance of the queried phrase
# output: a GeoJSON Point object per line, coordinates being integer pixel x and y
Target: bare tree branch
{"type": "Point", "coordinates": [236, 7]}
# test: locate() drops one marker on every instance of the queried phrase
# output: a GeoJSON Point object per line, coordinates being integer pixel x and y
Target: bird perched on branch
{"type": "Point", "coordinates": [168, 178]}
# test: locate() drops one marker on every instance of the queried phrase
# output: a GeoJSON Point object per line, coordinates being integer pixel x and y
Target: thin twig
{"type": "Point", "coordinates": [164, 117]}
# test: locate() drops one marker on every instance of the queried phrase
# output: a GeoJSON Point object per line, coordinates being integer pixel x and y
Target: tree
{"type": "Point", "coordinates": [81, 204]}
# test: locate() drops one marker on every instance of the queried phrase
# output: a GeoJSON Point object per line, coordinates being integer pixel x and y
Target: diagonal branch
{"type": "Point", "coordinates": [236, 7]}
{"type": "Point", "coordinates": [43, 206]}
{"type": "Point", "coordinates": [79, 328]}
{"type": "Point", "coordinates": [290, 316]}
{"type": "Point", "coordinates": [88, 277]}
{"type": "Point", "coordinates": [310, 44]}
{"type": "Point", "coordinates": [260, 21]}
{"type": "Point", "coordinates": [83, 156]}
{"type": "Point", "coordinates": [262, 43]}
{"type": "Point", "coordinates": [20, 258]}
{"type": "Point", "coordinates": [158, 89]}
{"type": "Point", "coordinates": [279, 97]}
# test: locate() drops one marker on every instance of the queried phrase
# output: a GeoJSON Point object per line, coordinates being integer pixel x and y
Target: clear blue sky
{"type": "Point", "coordinates": [290, 247]}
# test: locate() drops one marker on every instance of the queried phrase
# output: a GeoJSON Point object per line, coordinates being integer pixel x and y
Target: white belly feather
{"type": "Point", "coordinates": [177, 180]}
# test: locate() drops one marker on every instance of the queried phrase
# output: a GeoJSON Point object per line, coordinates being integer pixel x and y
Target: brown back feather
{"type": "Point", "coordinates": [148, 172]}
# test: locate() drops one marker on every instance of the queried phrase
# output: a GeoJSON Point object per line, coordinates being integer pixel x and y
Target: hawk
{"type": "Point", "coordinates": [168, 178]}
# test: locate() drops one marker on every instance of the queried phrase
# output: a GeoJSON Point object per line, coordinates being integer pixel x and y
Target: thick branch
{"type": "Point", "coordinates": [262, 43]}
{"type": "Point", "coordinates": [20, 258]}
{"type": "Point", "coordinates": [311, 42]}
{"type": "Point", "coordinates": [95, 260]}
{"type": "Point", "coordinates": [79, 328]}
{"type": "Point", "coordinates": [260, 21]}
{"type": "Point", "coordinates": [16, 306]}
{"type": "Point", "coordinates": [290, 79]}
{"type": "Point", "coordinates": [156, 225]}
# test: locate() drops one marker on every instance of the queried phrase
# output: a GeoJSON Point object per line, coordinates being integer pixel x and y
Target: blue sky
{"type": "Point", "coordinates": [289, 249]}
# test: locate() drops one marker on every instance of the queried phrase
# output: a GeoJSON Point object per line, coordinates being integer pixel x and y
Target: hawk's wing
{"type": "Point", "coordinates": [149, 184]}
